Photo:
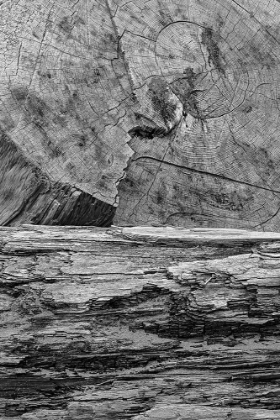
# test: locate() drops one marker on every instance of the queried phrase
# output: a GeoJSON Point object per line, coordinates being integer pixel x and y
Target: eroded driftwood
{"type": "Point", "coordinates": [139, 323]}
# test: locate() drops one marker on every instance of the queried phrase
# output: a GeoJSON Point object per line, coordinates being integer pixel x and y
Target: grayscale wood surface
{"type": "Point", "coordinates": [165, 112]}
{"type": "Point", "coordinates": [139, 323]}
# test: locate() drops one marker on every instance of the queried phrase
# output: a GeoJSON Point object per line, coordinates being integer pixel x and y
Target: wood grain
{"type": "Point", "coordinates": [139, 323]}
{"type": "Point", "coordinates": [167, 111]}
{"type": "Point", "coordinates": [215, 161]}
{"type": "Point", "coordinates": [63, 99]}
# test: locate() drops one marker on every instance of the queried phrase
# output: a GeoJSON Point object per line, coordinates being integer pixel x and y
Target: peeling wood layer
{"type": "Point", "coordinates": [139, 323]}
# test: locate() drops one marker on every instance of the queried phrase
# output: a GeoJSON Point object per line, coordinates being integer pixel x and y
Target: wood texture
{"type": "Point", "coordinates": [62, 84]}
{"type": "Point", "coordinates": [139, 323]}
{"type": "Point", "coordinates": [169, 108]}
{"type": "Point", "coordinates": [218, 166]}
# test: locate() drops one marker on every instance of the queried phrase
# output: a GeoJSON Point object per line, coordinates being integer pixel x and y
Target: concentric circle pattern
{"type": "Point", "coordinates": [220, 164]}
{"type": "Point", "coordinates": [169, 107]}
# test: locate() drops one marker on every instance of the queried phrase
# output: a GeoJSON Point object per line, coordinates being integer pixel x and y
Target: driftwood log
{"type": "Point", "coordinates": [169, 108]}
{"type": "Point", "coordinates": [139, 323]}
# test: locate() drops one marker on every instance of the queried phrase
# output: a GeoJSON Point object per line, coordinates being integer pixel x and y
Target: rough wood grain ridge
{"type": "Point", "coordinates": [139, 323]}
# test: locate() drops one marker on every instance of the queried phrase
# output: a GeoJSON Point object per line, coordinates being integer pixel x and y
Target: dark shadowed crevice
{"type": "Point", "coordinates": [29, 196]}
{"type": "Point", "coordinates": [85, 211]}
{"type": "Point", "coordinates": [210, 42]}
{"type": "Point", "coordinates": [147, 132]}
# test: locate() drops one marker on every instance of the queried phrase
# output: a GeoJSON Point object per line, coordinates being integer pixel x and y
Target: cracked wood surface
{"type": "Point", "coordinates": [167, 111]}
{"type": "Point", "coordinates": [139, 323]}
{"type": "Point", "coordinates": [64, 94]}
{"type": "Point", "coordinates": [215, 161]}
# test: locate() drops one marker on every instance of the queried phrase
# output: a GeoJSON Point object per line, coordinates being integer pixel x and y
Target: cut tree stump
{"type": "Point", "coordinates": [168, 108]}
{"type": "Point", "coordinates": [217, 163]}
{"type": "Point", "coordinates": [139, 323]}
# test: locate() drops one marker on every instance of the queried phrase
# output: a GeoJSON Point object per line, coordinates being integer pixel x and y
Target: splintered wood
{"type": "Point", "coordinates": [139, 323]}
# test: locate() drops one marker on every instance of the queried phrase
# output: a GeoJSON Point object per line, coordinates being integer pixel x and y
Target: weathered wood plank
{"type": "Point", "coordinates": [139, 323]}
